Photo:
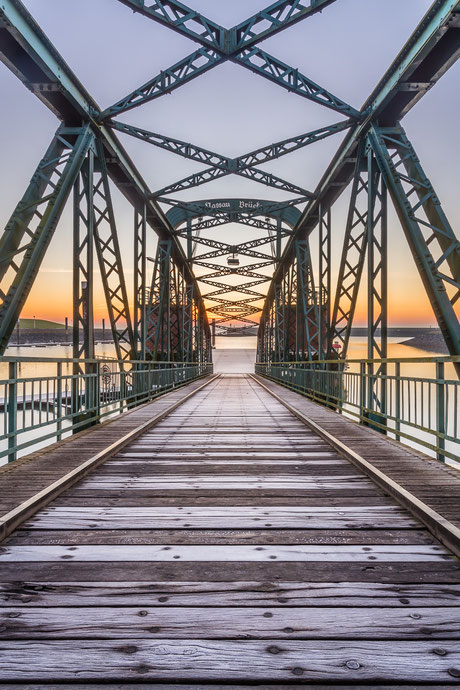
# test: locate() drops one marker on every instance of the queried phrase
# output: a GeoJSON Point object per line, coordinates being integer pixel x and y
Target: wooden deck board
{"type": "Point", "coordinates": [228, 544]}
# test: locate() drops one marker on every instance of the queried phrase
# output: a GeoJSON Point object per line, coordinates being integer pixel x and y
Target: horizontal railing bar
{"type": "Point", "coordinates": [99, 360]}
{"type": "Point", "coordinates": [389, 360]}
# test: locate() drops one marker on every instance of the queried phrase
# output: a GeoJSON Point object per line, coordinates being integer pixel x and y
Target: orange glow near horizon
{"type": "Point", "coordinates": [413, 310]}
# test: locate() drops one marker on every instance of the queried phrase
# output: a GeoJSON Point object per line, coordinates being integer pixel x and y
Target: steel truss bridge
{"type": "Point", "coordinates": [302, 315]}
{"type": "Point", "coordinates": [274, 278]}
{"type": "Point", "coordinates": [227, 529]}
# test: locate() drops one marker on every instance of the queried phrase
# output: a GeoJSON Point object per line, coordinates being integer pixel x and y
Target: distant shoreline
{"type": "Point", "coordinates": [427, 339]}
{"type": "Point", "coordinates": [31, 337]}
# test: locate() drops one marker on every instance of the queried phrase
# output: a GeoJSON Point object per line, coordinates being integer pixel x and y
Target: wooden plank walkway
{"type": "Point", "coordinates": [22, 479]}
{"type": "Point", "coordinates": [436, 484]}
{"type": "Point", "coordinates": [229, 544]}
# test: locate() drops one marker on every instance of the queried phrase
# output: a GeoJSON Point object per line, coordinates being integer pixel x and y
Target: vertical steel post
{"type": "Point", "coordinates": [353, 257]}
{"type": "Point", "coordinates": [308, 318]}
{"type": "Point", "coordinates": [140, 279]}
{"type": "Point", "coordinates": [12, 410]}
{"type": "Point", "coordinates": [83, 285]}
{"type": "Point", "coordinates": [158, 339]}
{"type": "Point", "coordinates": [58, 402]}
{"type": "Point", "coordinates": [398, 400]}
{"type": "Point", "coordinates": [280, 308]}
{"type": "Point", "coordinates": [440, 411]}
{"type": "Point", "coordinates": [83, 263]}
{"type": "Point", "coordinates": [362, 391]}
{"type": "Point", "coordinates": [377, 289]}
{"type": "Point", "coordinates": [189, 241]}
{"type": "Point", "coordinates": [324, 299]}
{"type": "Point", "coordinates": [279, 229]}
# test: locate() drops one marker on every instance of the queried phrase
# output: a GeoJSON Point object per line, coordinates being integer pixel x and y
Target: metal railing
{"type": "Point", "coordinates": [46, 399]}
{"type": "Point", "coordinates": [413, 400]}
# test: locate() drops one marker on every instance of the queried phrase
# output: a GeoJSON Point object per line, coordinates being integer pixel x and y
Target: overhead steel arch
{"type": "Point", "coordinates": [235, 210]}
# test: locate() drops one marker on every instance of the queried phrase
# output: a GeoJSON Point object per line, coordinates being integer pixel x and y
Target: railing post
{"type": "Point", "coordinates": [97, 390]}
{"type": "Point", "coordinates": [92, 395]}
{"type": "Point", "coordinates": [12, 410]}
{"type": "Point", "coordinates": [440, 411]}
{"type": "Point", "coordinates": [362, 391]}
{"type": "Point", "coordinates": [58, 402]}
{"type": "Point", "coordinates": [340, 392]}
{"type": "Point", "coordinates": [398, 400]}
{"type": "Point", "coordinates": [122, 386]}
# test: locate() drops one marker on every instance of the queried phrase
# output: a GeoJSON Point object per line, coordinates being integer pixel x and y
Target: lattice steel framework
{"type": "Point", "coordinates": [302, 316]}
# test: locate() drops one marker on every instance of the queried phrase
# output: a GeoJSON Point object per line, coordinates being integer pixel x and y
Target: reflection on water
{"type": "Point", "coordinates": [242, 342]}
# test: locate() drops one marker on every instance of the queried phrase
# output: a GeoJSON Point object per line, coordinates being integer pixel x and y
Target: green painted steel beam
{"type": "Point", "coordinates": [278, 16]}
{"type": "Point", "coordinates": [432, 49]}
{"type": "Point", "coordinates": [182, 19]}
{"type": "Point", "coordinates": [29, 54]}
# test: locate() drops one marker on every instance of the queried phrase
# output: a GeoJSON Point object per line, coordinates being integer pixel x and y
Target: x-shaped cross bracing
{"type": "Point", "coordinates": [239, 45]}
{"type": "Point", "coordinates": [221, 166]}
{"type": "Point", "coordinates": [219, 45]}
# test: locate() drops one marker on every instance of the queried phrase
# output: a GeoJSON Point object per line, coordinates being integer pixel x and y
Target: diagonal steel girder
{"type": "Point", "coordinates": [429, 53]}
{"type": "Point", "coordinates": [218, 221]}
{"type": "Point", "coordinates": [204, 59]}
{"type": "Point", "coordinates": [254, 174]}
{"type": "Point", "coordinates": [237, 44]}
{"type": "Point", "coordinates": [228, 250]}
{"type": "Point", "coordinates": [239, 288]}
{"type": "Point", "coordinates": [178, 17]}
{"type": "Point", "coordinates": [221, 166]}
{"type": "Point", "coordinates": [31, 56]}
{"type": "Point", "coordinates": [250, 244]}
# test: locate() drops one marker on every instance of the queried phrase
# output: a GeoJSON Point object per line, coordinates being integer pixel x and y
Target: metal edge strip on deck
{"type": "Point", "coordinates": [14, 518]}
{"type": "Point", "coordinates": [441, 528]}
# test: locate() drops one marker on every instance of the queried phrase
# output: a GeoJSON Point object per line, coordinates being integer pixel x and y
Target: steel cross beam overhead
{"type": "Point", "coordinates": [237, 44]}
{"type": "Point", "coordinates": [222, 166]}
{"type": "Point", "coordinates": [177, 16]}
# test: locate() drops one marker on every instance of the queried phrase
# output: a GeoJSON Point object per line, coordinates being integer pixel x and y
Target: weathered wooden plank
{"type": "Point", "coordinates": [224, 660]}
{"type": "Point", "coordinates": [224, 553]}
{"type": "Point", "coordinates": [246, 497]}
{"type": "Point", "coordinates": [279, 594]}
{"type": "Point", "coordinates": [383, 572]}
{"type": "Point", "coordinates": [236, 471]}
{"type": "Point", "coordinates": [226, 623]}
{"type": "Point", "coordinates": [80, 499]}
{"type": "Point", "coordinates": [334, 517]}
{"type": "Point", "coordinates": [145, 461]}
{"type": "Point", "coordinates": [199, 686]}
{"type": "Point", "coordinates": [242, 482]}
{"type": "Point", "coordinates": [215, 536]}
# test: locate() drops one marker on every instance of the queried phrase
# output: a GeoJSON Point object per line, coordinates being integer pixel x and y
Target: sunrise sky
{"type": "Point", "coordinates": [346, 49]}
